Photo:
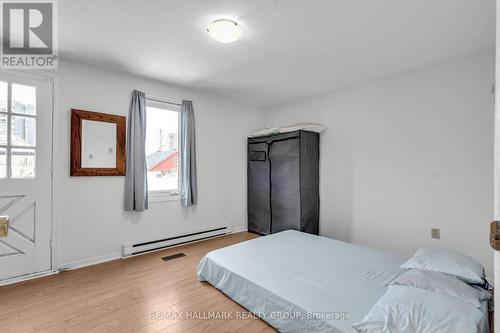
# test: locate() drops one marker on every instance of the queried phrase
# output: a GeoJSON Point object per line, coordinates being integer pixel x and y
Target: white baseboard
{"type": "Point", "coordinates": [109, 257]}
{"type": "Point", "coordinates": [240, 230]}
{"type": "Point", "coordinates": [89, 262]}
{"type": "Point", "coordinates": [27, 277]}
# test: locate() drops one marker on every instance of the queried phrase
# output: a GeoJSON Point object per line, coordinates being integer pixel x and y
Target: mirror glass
{"type": "Point", "coordinates": [98, 144]}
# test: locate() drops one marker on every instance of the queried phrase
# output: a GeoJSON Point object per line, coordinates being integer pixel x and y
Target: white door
{"type": "Point", "coordinates": [25, 174]}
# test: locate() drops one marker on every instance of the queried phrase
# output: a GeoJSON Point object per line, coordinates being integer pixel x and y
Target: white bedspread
{"type": "Point", "coordinates": [325, 284]}
{"type": "Point", "coordinates": [299, 282]}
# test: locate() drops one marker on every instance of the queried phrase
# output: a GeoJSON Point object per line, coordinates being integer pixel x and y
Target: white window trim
{"type": "Point", "coordinates": [159, 196]}
{"type": "Point", "coordinates": [167, 195]}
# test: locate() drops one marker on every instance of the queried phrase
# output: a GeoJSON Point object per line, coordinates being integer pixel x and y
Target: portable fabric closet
{"type": "Point", "coordinates": [283, 183]}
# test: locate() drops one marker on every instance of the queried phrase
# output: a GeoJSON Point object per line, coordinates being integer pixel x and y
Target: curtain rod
{"type": "Point", "coordinates": [163, 100]}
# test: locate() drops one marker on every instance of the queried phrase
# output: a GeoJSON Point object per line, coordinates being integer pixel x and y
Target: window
{"type": "Point", "coordinates": [17, 130]}
{"type": "Point", "coordinates": [162, 149]}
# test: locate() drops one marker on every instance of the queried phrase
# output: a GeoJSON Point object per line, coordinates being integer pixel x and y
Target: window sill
{"type": "Point", "coordinates": [156, 197]}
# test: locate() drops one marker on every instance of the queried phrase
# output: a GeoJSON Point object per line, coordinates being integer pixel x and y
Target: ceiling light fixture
{"type": "Point", "coordinates": [224, 31]}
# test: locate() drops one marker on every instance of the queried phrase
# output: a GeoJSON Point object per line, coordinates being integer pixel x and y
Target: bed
{"type": "Point", "coordinates": [299, 282]}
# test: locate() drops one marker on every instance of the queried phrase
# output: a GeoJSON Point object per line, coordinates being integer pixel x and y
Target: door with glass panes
{"type": "Point", "coordinates": [25, 175]}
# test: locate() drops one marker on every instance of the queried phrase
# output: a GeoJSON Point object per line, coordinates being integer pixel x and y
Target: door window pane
{"type": "Point", "coordinates": [23, 163]}
{"type": "Point", "coordinates": [3, 129]}
{"type": "Point", "coordinates": [3, 163]}
{"type": "Point", "coordinates": [23, 99]}
{"type": "Point", "coordinates": [17, 130]}
{"type": "Point", "coordinates": [23, 131]}
{"type": "Point", "coordinates": [3, 96]}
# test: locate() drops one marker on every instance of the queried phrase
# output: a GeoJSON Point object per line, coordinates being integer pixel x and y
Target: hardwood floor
{"type": "Point", "coordinates": [132, 295]}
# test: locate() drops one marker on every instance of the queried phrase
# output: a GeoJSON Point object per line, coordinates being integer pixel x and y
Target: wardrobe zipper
{"type": "Point", "coordinates": [269, 143]}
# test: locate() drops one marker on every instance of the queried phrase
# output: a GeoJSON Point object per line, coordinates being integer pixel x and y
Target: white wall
{"type": "Point", "coordinates": [406, 154]}
{"type": "Point", "coordinates": [400, 156]}
{"type": "Point", "coordinates": [90, 220]}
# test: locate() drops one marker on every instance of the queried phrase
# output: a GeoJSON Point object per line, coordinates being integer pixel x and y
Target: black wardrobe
{"type": "Point", "coordinates": [283, 183]}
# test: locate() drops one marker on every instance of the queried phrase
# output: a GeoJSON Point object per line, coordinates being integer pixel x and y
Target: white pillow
{"type": "Point", "coordinates": [448, 262]}
{"type": "Point", "coordinates": [413, 310]}
{"type": "Point", "coordinates": [443, 284]}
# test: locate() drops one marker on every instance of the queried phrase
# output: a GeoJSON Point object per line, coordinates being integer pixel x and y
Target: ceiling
{"type": "Point", "coordinates": [290, 49]}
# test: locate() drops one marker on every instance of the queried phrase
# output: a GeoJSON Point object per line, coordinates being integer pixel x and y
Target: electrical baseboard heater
{"type": "Point", "coordinates": [144, 247]}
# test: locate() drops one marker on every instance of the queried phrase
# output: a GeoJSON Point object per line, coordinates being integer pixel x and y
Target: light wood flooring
{"type": "Point", "coordinates": [120, 296]}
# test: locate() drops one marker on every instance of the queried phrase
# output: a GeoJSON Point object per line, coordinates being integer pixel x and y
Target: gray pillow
{"type": "Point", "coordinates": [448, 262]}
{"type": "Point", "coordinates": [443, 284]}
{"type": "Point", "coordinates": [414, 310]}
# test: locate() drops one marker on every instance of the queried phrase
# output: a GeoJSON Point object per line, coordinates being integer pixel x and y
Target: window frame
{"type": "Point", "coordinates": [167, 195]}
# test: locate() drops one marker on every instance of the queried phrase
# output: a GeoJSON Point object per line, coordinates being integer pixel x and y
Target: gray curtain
{"type": "Point", "coordinates": [188, 155]}
{"type": "Point", "coordinates": [136, 183]}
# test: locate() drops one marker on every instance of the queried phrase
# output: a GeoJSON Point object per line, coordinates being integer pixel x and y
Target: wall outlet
{"type": "Point", "coordinates": [436, 233]}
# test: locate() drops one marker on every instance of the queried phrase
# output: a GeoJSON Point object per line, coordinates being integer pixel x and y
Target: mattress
{"type": "Point", "coordinates": [299, 282]}
{"type": "Point", "coordinates": [484, 325]}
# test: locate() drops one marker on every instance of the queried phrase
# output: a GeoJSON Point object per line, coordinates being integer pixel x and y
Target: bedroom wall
{"type": "Point", "coordinates": [91, 224]}
{"type": "Point", "coordinates": [406, 154]}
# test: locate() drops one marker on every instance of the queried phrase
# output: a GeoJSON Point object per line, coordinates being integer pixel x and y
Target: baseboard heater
{"type": "Point", "coordinates": [144, 247]}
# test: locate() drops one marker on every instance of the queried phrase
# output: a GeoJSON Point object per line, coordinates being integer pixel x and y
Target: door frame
{"type": "Point", "coordinates": [52, 77]}
{"type": "Point", "coordinates": [496, 168]}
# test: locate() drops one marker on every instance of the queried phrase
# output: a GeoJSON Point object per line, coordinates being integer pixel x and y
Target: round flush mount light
{"type": "Point", "coordinates": [224, 31]}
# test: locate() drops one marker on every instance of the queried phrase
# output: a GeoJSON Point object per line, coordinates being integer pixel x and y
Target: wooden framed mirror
{"type": "Point", "coordinates": [97, 144]}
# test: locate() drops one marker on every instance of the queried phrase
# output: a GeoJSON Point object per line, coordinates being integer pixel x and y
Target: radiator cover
{"type": "Point", "coordinates": [155, 245]}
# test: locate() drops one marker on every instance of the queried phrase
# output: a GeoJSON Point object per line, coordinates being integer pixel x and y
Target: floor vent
{"type": "Point", "coordinates": [155, 245]}
{"type": "Point", "coordinates": [173, 256]}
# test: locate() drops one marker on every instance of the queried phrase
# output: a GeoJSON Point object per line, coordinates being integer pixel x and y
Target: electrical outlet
{"type": "Point", "coordinates": [436, 233]}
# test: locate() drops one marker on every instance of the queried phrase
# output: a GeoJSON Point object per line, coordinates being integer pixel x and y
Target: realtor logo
{"type": "Point", "coordinates": [28, 34]}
